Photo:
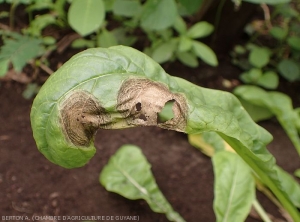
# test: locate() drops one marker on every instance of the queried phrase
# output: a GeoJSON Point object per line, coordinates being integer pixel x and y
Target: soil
{"type": "Point", "coordinates": [32, 186]}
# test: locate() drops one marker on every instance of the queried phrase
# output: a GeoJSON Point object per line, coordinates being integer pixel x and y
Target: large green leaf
{"type": "Point", "coordinates": [289, 69]}
{"type": "Point", "coordinates": [277, 103]}
{"type": "Point", "coordinates": [86, 16]}
{"type": "Point", "coordinates": [234, 187]}
{"type": "Point", "coordinates": [128, 173]}
{"type": "Point", "coordinates": [120, 87]}
{"type": "Point", "coordinates": [158, 15]}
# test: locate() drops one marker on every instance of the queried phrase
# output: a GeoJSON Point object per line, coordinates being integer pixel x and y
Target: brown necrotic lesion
{"type": "Point", "coordinates": [141, 100]}
{"type": "Point", "coordinates": [81, 116]}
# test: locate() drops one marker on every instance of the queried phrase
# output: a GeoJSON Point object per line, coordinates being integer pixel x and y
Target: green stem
{"type": "Point", "coordinates": [260, 210]}
{"type": "Point", "coordinates": [290, 208]}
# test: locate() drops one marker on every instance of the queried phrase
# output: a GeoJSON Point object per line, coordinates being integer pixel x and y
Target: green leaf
{"type": "Point", "coordinates": [188, 59]}
{"type": "Point", "coordinates": [257, 113]}
{"type": "Point", "coordinates": [278, 32]}
{"type": "Point", "coordinates": [86, 16]}
{"type": "Point", "coordinates": [39, 23]}
{"type": "Point", "coordinates": [82, 43]}
{"type": "Point", "coordinates": [106, 39]}
{"type": "Point", "coordinates": [234, 187]}
{"type": "Point", "coordinates": [4, 67]}
{"type": "Point", "coordinates": [269, 80]}
{"type": "Point", "coordinates": [294, 42]}
{"type": "Point", "coordinates": [292, 189]}
{"type": "Point", "coordinates": [297, 173]}
{"type": "Point", "coordinates": [205, 53]}
{"type": "Point", "coordinates": [259, 57]}
{"type": "Point", "coordinates": [163, 52]}
{"type": "Point", "coordinates": [191, 5]}
{"type": "Point", "coordinates": [200, 30]}
{"type": "Point", "coordinates": [127, 8]}
{"type": "Point", "coordinates": [180, 25]}
{"type": "Point", "coordinates": [289, 69]}
{"type": "Point", "coordinates": [277, 103]}
{"type": "Point", "coordinates": [122, 37]}
{"type": "Point", "coordinates": [185, 44]}
{"type": "Point", "coordinates": [128, 174]}
{"type": "Point", "coordinates": [251, 76]}
{"type": "Point", "coordinates": [158, 15]}
{"type": "Point", "coordinates": [269, 2]}
{"type": "Point", "coordinates": [20, 50]}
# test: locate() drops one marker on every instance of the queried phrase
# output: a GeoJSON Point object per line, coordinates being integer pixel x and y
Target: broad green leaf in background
{"type": "Point", "coordinates": [128, 173]}
{"type": "Point", "coordinates": [268, 80]}
{"type": "Point", "coordinates": [187, 58]}
{"type": "Point", "coordinates": [294, 42]}
{"type": "Point", "coordinates": [86, 16]}
{"type": "Point", "coordinates": [158, 15]}
{"type": "Point", "coordinates": [122, 37]}
{"type": "Point", "coordinates": [191, 5]}
{"type": "Point", "coordinates": [289, 69]}
{"type": "Point", "coordinates": [164, 52]}
{"type": "Point", "coordinates": [234, 187]}
{"type": "Point", "coordinates": [251, 76]}
{"type": "Point", "coordinates": [20, 50]}
{"type": "Point", "coordinates": [106, 39]}
{"type": "Point", "coordinates": [205, 53]}
{"type": "Point", "coordinates": [127, 8]}
{"type": "Point", "coordinates": [259, 57]}
{"type": "Point", "coordinates": [270, 2]}
{"type": "Point", "coordinates": [278, 32]}
{"type": "Point", "coordinates": [200, 30]}
{"type": "Point", "coordinates": [185, 44]}
{"type": "Point", "coordinates": [277, 103]}
{"type": "Point", "coordinates": [180, 25]}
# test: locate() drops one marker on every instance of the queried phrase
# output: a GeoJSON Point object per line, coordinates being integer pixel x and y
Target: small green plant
{"type": "Point", "coordinates": [262, 64]}
{"type": "Point", "coordinates": [120, 87]}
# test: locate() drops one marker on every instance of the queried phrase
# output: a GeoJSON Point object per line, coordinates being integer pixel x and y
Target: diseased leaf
{"type": "Point", "coordinates": [128, 174]}
{"type": "Point", "coordinates": [158, 15]}
{"type": "Point", "coordinates": [120, 87]}
{"type": "Point", "coordinates": [200, 30]}
{"type": "Point", "coordinates": [86, 16]}
{"type": "Point", "coordinates": [205, 53]}
{"type": "Point", "coordinates": [234, 187]}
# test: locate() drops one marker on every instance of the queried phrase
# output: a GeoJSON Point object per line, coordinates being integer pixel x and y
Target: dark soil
{"type": "Point", "coordinates": [32, 186]}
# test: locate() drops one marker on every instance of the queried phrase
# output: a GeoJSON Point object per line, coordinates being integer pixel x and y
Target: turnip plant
{"type": "Point", "coordinates": [120, 87]}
